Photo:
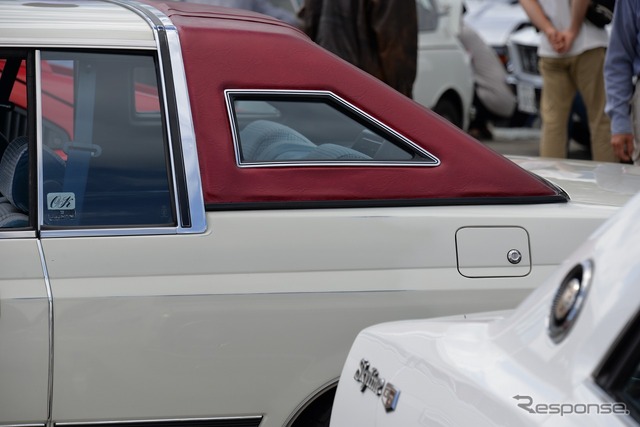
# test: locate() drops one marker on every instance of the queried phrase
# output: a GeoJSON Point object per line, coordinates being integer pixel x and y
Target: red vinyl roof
{"type": "Point", "coordinates": [229, 49]}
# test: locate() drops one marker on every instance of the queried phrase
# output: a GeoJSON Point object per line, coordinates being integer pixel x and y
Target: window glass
{"type": "Point", "coordinates": [146, 91]}
{"type": "Point", "coordinates": [14, 154]}
{"type": "Point", "coordinates": [104, 155]}
{"type": "Point", "coordinates": [311, 129]}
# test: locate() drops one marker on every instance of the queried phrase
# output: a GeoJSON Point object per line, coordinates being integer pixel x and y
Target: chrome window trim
{"type": "Point", "coordinates": [183, 106]}
{"type": "Point", "coordinates": [228, 93]}
{"type": "Point", "coordinates": [109, 231]}
{"type": "Point", "coordinates": [10, 233]}
{"type": "Point", "coordinates": [39, 142]}
{"type": "Point", "coordinates": [157, 21]}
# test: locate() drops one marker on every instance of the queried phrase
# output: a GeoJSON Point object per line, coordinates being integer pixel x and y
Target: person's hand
{"type": "Point", "coordinates": [622, 144]}
{"type": "Point", "coordinates": [567, 37]}
{"type": "Point", "coordinates": [555, 37]}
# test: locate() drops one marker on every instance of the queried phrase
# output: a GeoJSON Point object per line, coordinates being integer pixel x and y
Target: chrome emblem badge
{"type": "Point", "coordinates": [369, 378]}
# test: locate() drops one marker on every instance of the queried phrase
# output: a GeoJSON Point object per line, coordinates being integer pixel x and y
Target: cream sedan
{"type": "Point", "coordinates": [201, 208]}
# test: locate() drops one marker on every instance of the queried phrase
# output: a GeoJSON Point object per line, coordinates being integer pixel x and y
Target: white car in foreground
{"type": "Point", "coordinates": [568, 355]}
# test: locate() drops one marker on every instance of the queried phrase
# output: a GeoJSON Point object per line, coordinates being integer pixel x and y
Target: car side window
{"type": "Point", "coordinates": [304, 129]}
{"type": "Point", "coordinates": [104, 153]}
{"type": "Point", "coordinates": [14, 163]}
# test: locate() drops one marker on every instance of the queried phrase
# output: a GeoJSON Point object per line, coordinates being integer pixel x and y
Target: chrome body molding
{"type": "Point", "coordinates": [239, 421]}
{"type": "Point", "coordinates": [321, 94]}
{"type": "Point", "coordinates": [47, 284]}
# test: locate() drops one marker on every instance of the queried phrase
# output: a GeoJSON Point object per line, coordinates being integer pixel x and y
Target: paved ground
{"type": "Point", "coordinates": [525, 141]}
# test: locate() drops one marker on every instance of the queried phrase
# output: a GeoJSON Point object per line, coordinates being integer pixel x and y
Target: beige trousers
{"type": "Point", "coordinates": [562, 78]}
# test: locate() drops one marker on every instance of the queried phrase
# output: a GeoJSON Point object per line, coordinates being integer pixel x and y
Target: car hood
{"type": "Point", "coordinates": [595, 183]}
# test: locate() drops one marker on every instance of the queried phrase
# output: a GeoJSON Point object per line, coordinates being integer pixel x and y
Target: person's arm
{"type": "Point", "coordinates": [618, 74]}
{"type": "Point", "coordinates": [395, 25]}
{"type": "Point", "coordinates": [542, 22]}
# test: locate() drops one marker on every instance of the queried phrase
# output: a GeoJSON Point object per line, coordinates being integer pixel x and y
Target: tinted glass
{"type": "Point", "coordinates": [107, 164]}
{"type": "Point", "coordinates": [302, 130]}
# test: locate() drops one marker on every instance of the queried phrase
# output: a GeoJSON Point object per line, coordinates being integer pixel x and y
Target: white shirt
{"type": "Point", "coordinates": [590, 36]}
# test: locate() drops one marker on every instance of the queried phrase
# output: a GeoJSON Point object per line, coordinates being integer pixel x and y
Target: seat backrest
{"type": "Point", "coordinates": [263, 141]}
{"type": "Point", "coordinates": [14, 172]}
{"type": "Point", "coordinates": [335, 152]}
{"type": "Point", "coordinates": [10, 216]}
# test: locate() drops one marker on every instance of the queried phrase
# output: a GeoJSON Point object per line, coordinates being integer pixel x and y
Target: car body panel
{"type": "Point", "coordinates": [237, 301]}
{"type": "Point", "coordinates": [504, 368]}
{"type": "Point", "coordinates": [24, 328]}
{"type": "Point", "coordinates": [586, 182]}
{"type": "Point", "coordinates": [206, 319]}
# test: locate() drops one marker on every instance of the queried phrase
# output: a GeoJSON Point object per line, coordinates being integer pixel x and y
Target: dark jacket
{"type": "Point", "coordinates": [378, 36]}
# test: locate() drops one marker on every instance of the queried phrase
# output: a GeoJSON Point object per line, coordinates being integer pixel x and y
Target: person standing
{"type": "Point", "coordinates": [378, 36]}
{"type": "Point", "coordinates": [622, 66]}
{"type": "Point", "coordinates": [571, 54]}
{"type": "Point", "coordinates": [493, 99]}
